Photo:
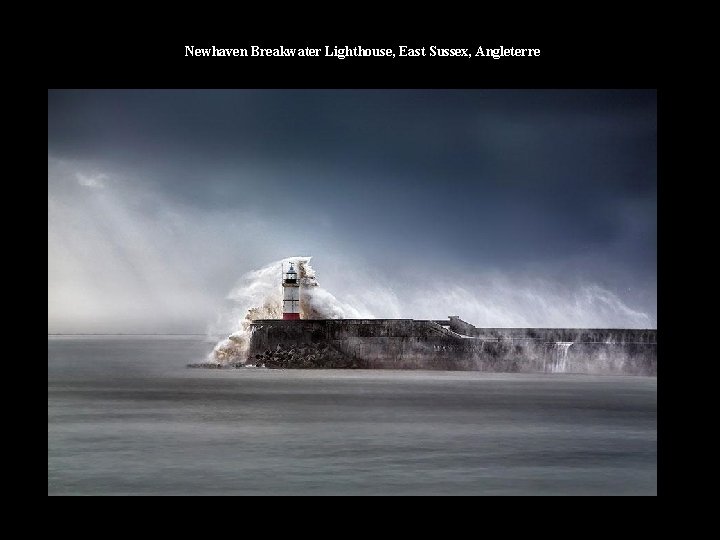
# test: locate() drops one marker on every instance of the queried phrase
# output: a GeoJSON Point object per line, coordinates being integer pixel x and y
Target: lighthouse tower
{"type": "Point", "coordinates": [291, 295]}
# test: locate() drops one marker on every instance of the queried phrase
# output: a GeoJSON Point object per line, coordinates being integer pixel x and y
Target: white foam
{"type": "Point", "coordinates": [258, 295]}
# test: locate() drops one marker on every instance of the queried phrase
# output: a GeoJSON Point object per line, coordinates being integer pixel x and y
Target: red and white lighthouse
{"type": "Point", "coordinates": [291, 295]}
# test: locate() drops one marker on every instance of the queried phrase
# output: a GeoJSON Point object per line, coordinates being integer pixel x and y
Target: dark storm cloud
{"type": "Point", "coordinates": [496, 179]}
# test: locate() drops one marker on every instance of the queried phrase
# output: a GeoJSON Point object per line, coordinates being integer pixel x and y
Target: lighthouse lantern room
{"type": "Point", "coordinates": [291, 295]}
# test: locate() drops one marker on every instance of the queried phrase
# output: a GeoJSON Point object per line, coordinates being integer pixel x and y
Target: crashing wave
{"type": "Point", "coordinates": [259, 296]}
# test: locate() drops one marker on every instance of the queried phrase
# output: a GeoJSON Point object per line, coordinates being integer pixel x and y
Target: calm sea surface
{"type": "Point", "coordinates": [126, 417]}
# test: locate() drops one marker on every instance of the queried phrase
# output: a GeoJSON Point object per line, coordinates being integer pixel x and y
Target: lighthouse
{"type": "Point", "coordinates": [291, 295]}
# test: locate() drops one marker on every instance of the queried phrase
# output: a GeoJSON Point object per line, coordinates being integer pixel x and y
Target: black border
{"type": "Point", "coordinates": [123, 57]}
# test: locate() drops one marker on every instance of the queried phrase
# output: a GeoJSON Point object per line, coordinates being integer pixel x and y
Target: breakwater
{"type": "Point", "coordinates": [451, 344]}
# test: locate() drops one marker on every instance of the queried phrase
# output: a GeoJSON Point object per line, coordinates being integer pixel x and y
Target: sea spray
{"type": "Point", "coordinates": [492, 302]}
{"type": "Point", "coordinates": [258, 295]}
{"type": "Point", "coordinates": [561, 356]}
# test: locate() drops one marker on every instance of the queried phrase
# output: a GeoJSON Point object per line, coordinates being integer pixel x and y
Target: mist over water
{"type": "Point", "coordinates": [125, 417]}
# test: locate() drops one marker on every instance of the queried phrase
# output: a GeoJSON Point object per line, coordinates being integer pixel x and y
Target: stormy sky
{"type": "Point", "coordinates": [508, 208]}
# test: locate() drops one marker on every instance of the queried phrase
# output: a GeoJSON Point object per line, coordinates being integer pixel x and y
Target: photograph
{"type": "Point", "coordinates": [374, 291]}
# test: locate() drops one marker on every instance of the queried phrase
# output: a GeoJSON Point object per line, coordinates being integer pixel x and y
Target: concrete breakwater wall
{"type": "Point", "coordinates": [585, 335]}
{"type": "Point", "coordinates": [450, 345]}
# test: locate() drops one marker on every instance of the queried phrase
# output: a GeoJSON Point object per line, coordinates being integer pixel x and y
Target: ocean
{"type": "Point", "coordinates": [126, 417]}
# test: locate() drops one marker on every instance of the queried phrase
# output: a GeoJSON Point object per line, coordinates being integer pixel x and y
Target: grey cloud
{"type": "Point", "coordinates": [185, 190]}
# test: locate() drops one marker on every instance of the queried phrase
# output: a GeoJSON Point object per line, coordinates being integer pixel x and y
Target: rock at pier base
{"type": "Point", "coordinates": [307, 356]}
{"type": "Point", "coordinates": [207, 365]}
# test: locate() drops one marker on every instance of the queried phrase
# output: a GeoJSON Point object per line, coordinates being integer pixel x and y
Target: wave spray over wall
{"type": "Point", "coordinates": [492, 301]}
{"type": "Point", "coordinates": [259, 296]}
